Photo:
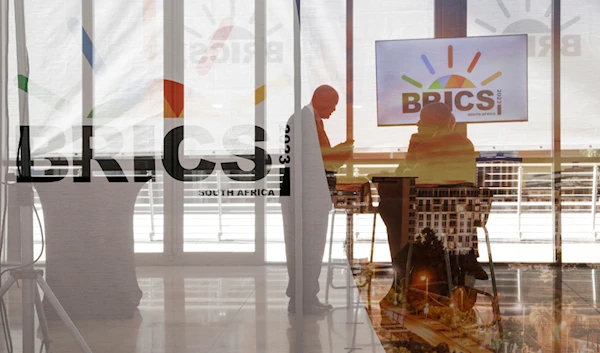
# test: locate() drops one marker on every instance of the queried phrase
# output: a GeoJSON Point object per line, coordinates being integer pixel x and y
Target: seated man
{"type": "Point", "coordinates": [437, 155]}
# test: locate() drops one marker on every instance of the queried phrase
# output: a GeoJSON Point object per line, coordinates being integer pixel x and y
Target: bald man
{"type": "Point", "coordinates": [317, 157]}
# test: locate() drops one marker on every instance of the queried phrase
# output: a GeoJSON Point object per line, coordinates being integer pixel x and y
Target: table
{"type": "Point", "coordinates": [90, 262]}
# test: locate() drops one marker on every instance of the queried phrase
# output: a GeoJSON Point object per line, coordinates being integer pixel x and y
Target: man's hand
{"type": "Point", "coordinates": [336, 156]}
{"type": "Point", "coordinates": [345, 146]}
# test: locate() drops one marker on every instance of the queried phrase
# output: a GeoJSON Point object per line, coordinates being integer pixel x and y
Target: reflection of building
{"type": "Point", "coordinates": [454, 213]}
{"type": "Point", "coordinates": [499, 171]}
{"type": "Point", "coordinates": [399, 188]}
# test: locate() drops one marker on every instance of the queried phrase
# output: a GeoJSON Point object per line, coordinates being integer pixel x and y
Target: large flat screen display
{"type": "Point", "coordinates": [482, 79]}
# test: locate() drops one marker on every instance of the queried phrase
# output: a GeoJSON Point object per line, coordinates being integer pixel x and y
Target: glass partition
{"type": "Point", "coordinates": [579, 129]}
{"type": "Point", "coordinates": [520, 229]}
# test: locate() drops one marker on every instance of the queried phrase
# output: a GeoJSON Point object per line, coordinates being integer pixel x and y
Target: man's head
{"type": "Point", "coordinates": [324, 101]}
{"type": "Point", "coordinates": [435, 117]}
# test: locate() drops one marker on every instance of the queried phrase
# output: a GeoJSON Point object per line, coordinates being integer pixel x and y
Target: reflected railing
{"type": "Point", "coordinates": [525, 190]}
{"type": "Point", "coordinates": [523, 194]}
{"type": "Point", "coordinates": [522, 205]}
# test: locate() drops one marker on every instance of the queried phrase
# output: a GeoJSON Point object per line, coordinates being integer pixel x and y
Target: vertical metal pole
{"type": "Point", "coordinates": [174, 76]}
{"type": "Point", "coordinates": [22, 67]}
{"type": "Point", "coordinates": [519, 200]}
{"type": "Point", "coordinates": [219, 206]}
{"type": "Point", "coordinates": [373, 237]}
{"type": "Point", "coordinates": [594, 286]}
{"type": "Point", "coordinates": [296, 179]}
{"type": "Point", "coordinates": [28, 291]}
{"type": "Point", "coordinates": [4, 153]}
{"type": "Point", "coordinates": [556, 171]}
{"type": "Point", "coordinates": [329, 263]}
{"type": "Point", "coordinates": [519, 285]}
{"type": "Point", "coordinates": [523, 327]}
{"type": "Point", "coordinates": [349, 277]}
{"type": "Point", "coordinates": [26, 192]}
{"type": "Point", "coordinates": [556, 130]}
{"type": "Point", "coordinates": [350, 237]}
{"type": "Point", "coordinates": [260, 118]}
{"type": "Point", "coordinates": [406, 276]}
{"type": "Point", "coordinates": [594, 201]}
{"type": "Point", "coordinates": [87, 67]}
{"type": "Point", "coordinates": [350, 80]}
{"type": "Point", "coordinates": [495, 304]}
{"type": "Point", "coordinates": [87, 84]}
{"type": "Point", "coordinates": [151, 204]}
{"type": "Point", "coordinates": [350, 163]}
{"type": "Point", "coordinates": [450, 17]}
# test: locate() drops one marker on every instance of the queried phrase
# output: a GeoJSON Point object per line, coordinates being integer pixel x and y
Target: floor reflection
{"type": "Point", "coordinates": [526, 296]}
{"type": "Point", "coordinates": [244, 309]}
{"type": "Point", "coordinates": [213, 310]}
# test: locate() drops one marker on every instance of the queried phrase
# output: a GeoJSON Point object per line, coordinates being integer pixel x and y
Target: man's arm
{"type": "Point", "coordinates": [335, 157]}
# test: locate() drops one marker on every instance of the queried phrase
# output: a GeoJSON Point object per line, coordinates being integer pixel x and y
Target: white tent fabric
{"type": "Point", "coordinates": [129, 71]}
{"type": "Point", "coordinates": [580, 72]}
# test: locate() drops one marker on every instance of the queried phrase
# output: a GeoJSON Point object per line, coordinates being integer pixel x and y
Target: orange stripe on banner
{"type": "Point", "coordinates": [169, 113]}
{"type": "Point", "coordinates": [260, 94]}
{"type": "Point", "coordinates": [174, 92]}
{"type": "Point", "coordinates": [474, 62]}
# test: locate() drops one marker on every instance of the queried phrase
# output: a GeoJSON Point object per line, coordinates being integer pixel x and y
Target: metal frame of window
{"type": "Point", "coordinates": [174, 236]}
{"type": "Point", "coordinates": [450, 20]}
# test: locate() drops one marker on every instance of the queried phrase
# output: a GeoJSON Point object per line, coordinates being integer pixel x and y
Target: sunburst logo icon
{"type": "Point", "coordinates": [229, 42]}
{"type": "Point", "coordinates": [452, 81]}
{"type": "Point", "coordinates": [534, 21]}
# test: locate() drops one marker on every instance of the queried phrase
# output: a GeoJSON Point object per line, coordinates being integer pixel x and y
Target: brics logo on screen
{"type": "Point", "coordinates": [456, 90]}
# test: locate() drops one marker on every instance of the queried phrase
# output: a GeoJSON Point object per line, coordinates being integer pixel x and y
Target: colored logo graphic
{"type": "Point", "coordinates": [453, 81]}
{"type": "Point", "coordinates": [174, 99]}
{"type": "Point", "coordinates": [87, 47]}
{"type": "Point", "coordinates": [539, 31]}
{"type": "Point", "coordinates": [229, 43]}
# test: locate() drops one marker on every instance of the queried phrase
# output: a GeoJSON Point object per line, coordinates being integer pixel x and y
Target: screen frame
{"type": "Point", "coordinates": [526, 36]}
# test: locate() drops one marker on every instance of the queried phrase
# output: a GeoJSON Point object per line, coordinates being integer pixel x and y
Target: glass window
{"type": "Point", "coordinates": [531, 138]}
{"type": "Point", "coordinates": [54, 82]}
{"type": "Point", "coordinates": [323, 37]}
{"type": "Point", "coordinates": [580, 127]}
{"type": "Point", "coordinates": [382, 21]}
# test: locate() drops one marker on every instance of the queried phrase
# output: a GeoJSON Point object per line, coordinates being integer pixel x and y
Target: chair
{"type": "Point", "coordinates": [353, 199]}
{"type": "Point", "coordinates": [468, 207]}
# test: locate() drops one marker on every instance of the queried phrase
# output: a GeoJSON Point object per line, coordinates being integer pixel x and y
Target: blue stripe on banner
{"type": "Point", "coordinates": [427, 64]}
{"type": "Point", "coordinates": [89, 51]}
{"type": "Point", "coordinates": [88, 47]}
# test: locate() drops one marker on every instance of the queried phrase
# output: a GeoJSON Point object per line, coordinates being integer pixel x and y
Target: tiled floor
{"type": "Point", "coordinates": [244, 309]}
{"type": "Point", "coordinates": [216, 310]}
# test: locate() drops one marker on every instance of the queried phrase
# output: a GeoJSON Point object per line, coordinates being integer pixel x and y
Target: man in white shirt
{"type": "Point", "coordinates": [317, 157]}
